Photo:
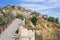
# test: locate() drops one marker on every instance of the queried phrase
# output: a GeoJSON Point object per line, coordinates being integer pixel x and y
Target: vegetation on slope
{"type": "Point", "coordinates": [47, 31]}
{"type": "Point", "coordinates": [34, 20]}
{"type": "Point", "coordinates": [5, 18]}
{"type": "Point", "coordinates": [48, 28]}
{"type": "Point", "coordinates": [20, 16]}
{"type": "Point", "coordinates": [53, 19]}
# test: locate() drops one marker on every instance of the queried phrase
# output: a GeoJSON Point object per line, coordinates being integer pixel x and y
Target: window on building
{"type": "Point", "coordinates": [29, 38]}
{"type": "Point", "coordinates": [17, 31]}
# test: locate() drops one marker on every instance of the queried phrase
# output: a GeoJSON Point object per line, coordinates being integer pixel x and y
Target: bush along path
{"type": "Point", "coordinates": [5, 20]}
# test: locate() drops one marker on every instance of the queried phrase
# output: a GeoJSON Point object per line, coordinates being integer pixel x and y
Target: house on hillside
{"type": "Point", "coordinates": [26, 34]}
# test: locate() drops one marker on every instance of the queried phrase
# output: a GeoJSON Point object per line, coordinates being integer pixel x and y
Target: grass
{"type": "Point", "coordinates": [38, 37]}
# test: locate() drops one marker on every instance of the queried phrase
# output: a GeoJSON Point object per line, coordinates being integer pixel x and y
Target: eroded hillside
{"type": "Point", "coordinates": [44, 29]}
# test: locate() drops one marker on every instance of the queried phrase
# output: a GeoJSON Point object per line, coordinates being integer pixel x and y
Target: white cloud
{"type": "Point", "coordinates": [40, 7]}
{"type": "Point", "coordinates": [45, 5]}
{"type": "Point", "coordinates": [33, 0]}
{"type": "Point", "coordinates": [37, 7]}
{"type": "Point", "coordinates": [53, 0]}
{"type": "Point", "coordinates": [39, 0]}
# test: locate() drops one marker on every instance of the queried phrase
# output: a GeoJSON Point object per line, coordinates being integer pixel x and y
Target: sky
{"type": "Point", "coordinates": [48, 7]}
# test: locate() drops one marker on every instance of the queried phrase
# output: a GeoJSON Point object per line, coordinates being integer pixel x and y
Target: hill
{"type": "Point", "coordinates": [44, 29]}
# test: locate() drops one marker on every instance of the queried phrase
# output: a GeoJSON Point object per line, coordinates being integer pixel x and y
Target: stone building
{"type": "Point", "coordinates": [26, 34]}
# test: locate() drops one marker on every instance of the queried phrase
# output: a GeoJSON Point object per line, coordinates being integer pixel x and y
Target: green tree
{"type": "Point", "coordinates": [34, 20]}
{"type": "Point", "coordinates": [57, 20]}
{"type": "Point", "coordinates": [53, 19]}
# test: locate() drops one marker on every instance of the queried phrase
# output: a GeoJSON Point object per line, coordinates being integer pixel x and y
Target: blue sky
{"type": "Point", "coordinates": [49, 7]}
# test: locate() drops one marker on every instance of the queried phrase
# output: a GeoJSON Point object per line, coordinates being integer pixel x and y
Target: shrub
{"type": "Point", "coordinates": [5, 18]}
{"type": "Point", "coordinates": [53, 19]}
{"type": "Point", "coordinates": [34, 20]}
{"type": "Point", "coordinates": [20, 16]}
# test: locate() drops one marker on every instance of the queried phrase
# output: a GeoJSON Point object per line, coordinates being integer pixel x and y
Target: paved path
{"type": "Point", "coordinates": [8, 33]}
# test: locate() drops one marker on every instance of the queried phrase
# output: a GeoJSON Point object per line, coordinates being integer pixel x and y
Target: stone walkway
{"type": "Point", "coordinates": [8, 33]}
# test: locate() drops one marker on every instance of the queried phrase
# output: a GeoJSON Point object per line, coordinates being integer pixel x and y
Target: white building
{"type": "Point", "coordinates": [26, 34]}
